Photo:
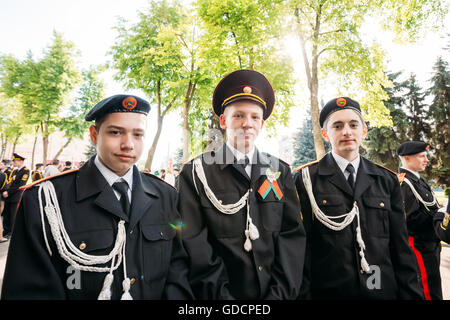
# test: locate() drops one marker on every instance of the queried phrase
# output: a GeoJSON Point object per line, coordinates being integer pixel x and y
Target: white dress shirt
{"type": "Point", "coordinates": [239, 156]}
{"type": "Point", "coordinates": [111, 177]}
{"type": "Point", "coordinates": [343, 163]}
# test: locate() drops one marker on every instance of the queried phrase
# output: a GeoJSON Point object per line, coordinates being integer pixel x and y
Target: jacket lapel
{"type": "Point", "coordinates": [329, 167]}
{"type": "Point", "coordinates": [260, 164]}
{"type": "Point", "coordinates": [364, 177]}
{"type": "Point", "coordinates": [91, 182]}
{"type": "Point", "coordinates": [140, 200]}
{"type": "Point", "coordinates": [226, 157]}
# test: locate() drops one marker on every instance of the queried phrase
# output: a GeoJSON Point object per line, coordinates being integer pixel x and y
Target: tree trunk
{"type": "Point", "coordinates": [34, 147]}
{"type": "Point", "coordinates": [151, 152]}
{"type": "Point", "coordinates": [186, 128]}
{"type": "Point", "coordinates": [44, 131]}
{"type": "Point", "coordinates": [62, 149]}
{"type": "Point", "coordinates": [159, 117]}
{"type": "Point", "coordinates": [4, 145]}
{"type": "Point", "coordinates": [313, 83]}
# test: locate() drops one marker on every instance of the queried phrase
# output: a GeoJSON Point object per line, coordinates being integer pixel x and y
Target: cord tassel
{"type": "Point", "coordinates": [105, 294]}
{"type": "Point", "coordinates": [126, 290]}
{"type": "Point", "coordinates": [248, 243]}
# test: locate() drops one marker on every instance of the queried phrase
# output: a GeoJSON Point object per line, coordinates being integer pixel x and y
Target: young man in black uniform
{"type": "Point", "coordinates": [421, 207]}
{"type": "Point", "coordinates": [18, 178]}
{"type": "Point", "coordinates": [241, 217]}
{"type": "Point", "coordinates": [352, 209]}
{"type": "Point", "coordinates": [111, 234]}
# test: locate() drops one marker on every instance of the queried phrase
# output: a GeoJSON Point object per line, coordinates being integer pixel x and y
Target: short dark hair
{"type": "Point", "coordinates": [55, 162]}
{"type": "Point", "coordinates": [68, 163]}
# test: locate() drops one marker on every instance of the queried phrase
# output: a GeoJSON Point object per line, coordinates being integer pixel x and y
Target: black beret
{"type": "Point", "coordinates": [17, 157]}
{"type": "Point", "coordinates": [412, 147]}
{"type": "Point", "coordinates": [335, 105]}
{"type": "Point", "coordinates": [244, 84]}
{"type": "Point", "coordinates": [118, 103]}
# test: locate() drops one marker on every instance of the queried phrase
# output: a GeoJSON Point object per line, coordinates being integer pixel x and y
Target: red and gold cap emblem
{"type": "Point", "coordinates": [341, 102]}
{"type": "Point", "coordinates": [129, 103]}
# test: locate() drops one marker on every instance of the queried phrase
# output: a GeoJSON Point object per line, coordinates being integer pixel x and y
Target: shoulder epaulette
{"type": "Point", "coordinates": [27, 186]}
{"type": "Point", "coordinates": [401, 177]}
{"type": "Point", "coordinates": [151, 175]}
{"type": "Point", "coordinates": [305, 165]}
{"type": "Point", "coordinates": [381, 166]}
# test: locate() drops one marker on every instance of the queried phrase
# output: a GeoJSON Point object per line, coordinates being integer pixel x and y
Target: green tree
{"type": "Point", "coordinates": [382, 142]}
{"type": "Point", "coordinates": [42, 87]}
{"type": "Point", "coordinates": [332, 46]}
{"type": "Point", "coordinates": [304, 151]}
{"type": "Point", "coordinates": [245, 34]}
{"type": "Point", "coordinates": [439, 114]}
{"type": "Point", "coordinates": [158, 55]}
{"type": "Point", "coordinates": [90, 93]}
{"type": "Point", "coordinates": [419, 128]}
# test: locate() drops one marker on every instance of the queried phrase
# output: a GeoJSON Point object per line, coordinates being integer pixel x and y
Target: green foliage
{"type": "Point", "coordinates": [304, 151]}
{"type": "Point", "coordinates": [439, 114]}
{"type": "Point", "coordinates": [89, 94]}
{"type": "Point", "coordinates": [382, 142]}
{"type": "Point", "coordinates": [246, 34]}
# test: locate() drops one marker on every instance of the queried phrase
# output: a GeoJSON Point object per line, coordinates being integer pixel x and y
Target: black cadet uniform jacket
{"type": "Point", "coordinates": [422, 235]}
{"type": "Point", "coordinates": [220, 267]}
{"type": "Point", "coordinates": [156, 261]}
{"type": "Point", "coordinates": [19, 178]}
{"type": "Point", "coordinates": [333, 266]}
{"type": "Point", "coordinates": [419, 220]}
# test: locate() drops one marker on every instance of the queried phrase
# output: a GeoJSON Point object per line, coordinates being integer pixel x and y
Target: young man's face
{"type": "Point", "coordinates": [242, 120]}
{"type": "Point", "coordinates": [17, 163]}
{"type": "Point", "coordinates": [345, 131]}
{"type": "Point", "coordinates": [416, 162]}
{"type": "Point", "coordinates": [120, 140]}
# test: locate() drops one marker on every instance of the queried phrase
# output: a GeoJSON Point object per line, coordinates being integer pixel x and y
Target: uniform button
{"type": "Point", "coordinates": [324, 202]}
{"type": "Point", "coordinates": [260, 268]}
{"type": "Point", "coordinates": [382, 204]}
{"type": "Point", "coordinates": [251, 190]}
{"type": "Point", "coordinates": [161, 234]}
{"type": "Point", "coordinates": [82, 246]}
{"type": "Point", "coordinates": [361, 271]}
{"type": "Point", "coordinates": [132, 280]}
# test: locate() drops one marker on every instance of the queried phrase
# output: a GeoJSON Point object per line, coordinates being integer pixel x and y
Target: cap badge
{"type": "Point", "coordinates": [129, 103]}
{"type": "Point", "coordinates": [247, 90]}
{"type": "Point", "coordinates": [427, 147]}
{"type": "Point", "coordinates": [341, 102]}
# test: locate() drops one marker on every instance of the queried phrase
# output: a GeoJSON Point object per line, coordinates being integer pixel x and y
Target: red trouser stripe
{"type": "Point", "coordinates": [423, 272]}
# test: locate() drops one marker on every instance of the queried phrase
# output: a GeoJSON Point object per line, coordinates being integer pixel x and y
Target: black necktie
{"type": "Point", "coordinates": [122, 188]}
{"type": "Point", "coordinates": [351, 179]}
{"type": "Point", "coordinates": [244, 162]}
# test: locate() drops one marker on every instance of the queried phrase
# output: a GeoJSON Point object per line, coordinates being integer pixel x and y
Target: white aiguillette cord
{"type": "Point", "coordinates": [251, 231]}
{"type": "Point", "coordinates": [419, 198]}
{"type": "Point", "coordinates": [336, 226]}
{"type": "Point", "coordinates": [70, 253]}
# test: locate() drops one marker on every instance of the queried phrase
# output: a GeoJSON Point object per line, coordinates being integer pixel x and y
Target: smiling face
{"type": "Point", "coordinates": [119, 140]}
{"type": "Point", "coordinates": [345, 130]}
{"type": "Point", "coordinates": [242, 120]}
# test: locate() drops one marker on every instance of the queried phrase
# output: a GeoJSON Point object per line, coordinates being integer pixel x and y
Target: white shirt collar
{"type": "Point", "coordinates": [111, 177]}
{"type": "Point", "coordinates": [413, 172]}
{"type": "Point", "coordinates": [239, 155]}
{"type": "Point", "coordinates": [343, 163]}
